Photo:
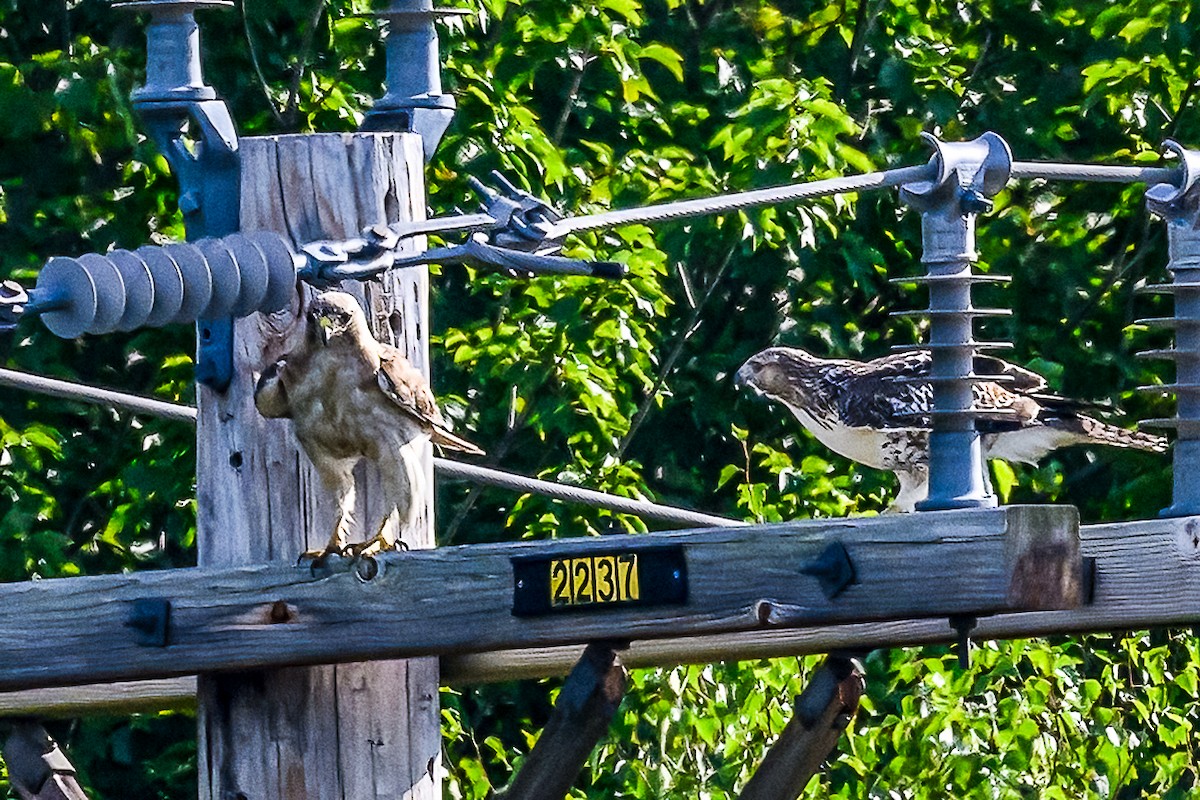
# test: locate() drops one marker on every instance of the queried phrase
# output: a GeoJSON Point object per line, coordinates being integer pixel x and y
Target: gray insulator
{"type": "Point", "coordinates": [110, 292]}
{"type": "Point", "coordinates": [178, 283]}
{"type": "Point", "coordinates": [139, 289]}
{"type": "Point", "coordinates": [197, 281]}
{"type": "Point", "coordinates": [252, 271]}
{"type": "Point", "coordinates": [282, 264]}
{"type": "Point", "coordinates": [226, 279]}
{"type": "Point", "coordinates": [168, 286]}
{"type": "Point", "coordinates": [66, 278]}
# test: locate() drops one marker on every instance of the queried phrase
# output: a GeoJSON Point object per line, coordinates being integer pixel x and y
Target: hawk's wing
{"type": "Point", "coordinates": [270, 393]}
{"type": "Point", "coordinates": [890, 392]}
{"type": "Point", "coordinates": [407, 388]}
{"type": "Point", "coordinates": [886, 392]}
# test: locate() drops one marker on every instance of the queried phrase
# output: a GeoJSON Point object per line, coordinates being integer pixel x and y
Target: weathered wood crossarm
{"type": "Point", "coordinates": [461, 599]}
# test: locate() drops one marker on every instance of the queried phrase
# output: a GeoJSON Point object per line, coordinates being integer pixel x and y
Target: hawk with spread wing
{"type": "Point", "coordinates": [351, 397]}
{"type": "Point", "coordinates": [876, 413]}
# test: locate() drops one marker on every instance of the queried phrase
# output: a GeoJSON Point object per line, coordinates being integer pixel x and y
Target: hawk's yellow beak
{"type": "Point", "coordinates": [325, 328]}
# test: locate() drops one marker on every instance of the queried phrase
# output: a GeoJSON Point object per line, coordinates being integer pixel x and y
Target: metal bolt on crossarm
{"type": "Point", "coordinates": [967, 175]}
{"type": "Point", "coordinates": [1178, 203]}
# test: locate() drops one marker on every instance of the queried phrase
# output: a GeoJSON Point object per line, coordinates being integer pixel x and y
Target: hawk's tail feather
{"type": "Point", "coordinates": [444, 438]}
{"type": "Point", "coordinates": [1103, 433]}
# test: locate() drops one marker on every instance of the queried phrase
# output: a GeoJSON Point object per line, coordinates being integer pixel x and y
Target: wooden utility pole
{"type": "Point", "coordinates": [364, 730]}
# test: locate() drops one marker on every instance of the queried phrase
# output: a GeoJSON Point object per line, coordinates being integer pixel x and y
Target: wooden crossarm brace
{"type": "Point", "coordinates": [585, 708]}
{"type": "Point", "coordinates": [37, 768]}
{"type": "Point", "coordinates": [823, 710]}
{"type": "Point", "coordinates": [1147, 574]}
{"type": "Point", "coordinates": [464, 599]}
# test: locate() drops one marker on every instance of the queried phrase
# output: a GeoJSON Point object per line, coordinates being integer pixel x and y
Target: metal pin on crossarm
{"type": "Point", "coordinates": [1178, 203]}
{"type": "Point", "coordinates": [414, 100]}
{"type": "Point", "coordinates": [967, 175]}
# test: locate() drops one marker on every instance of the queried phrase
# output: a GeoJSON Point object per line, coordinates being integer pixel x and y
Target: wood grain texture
{"type": "Point", "coordinates": [336, 731]}
{"type": "Point", "coordinates": [122, 697]}
{"type": "Point", "coordinates": [458, 599]}
{"type": "Point", "coordinates": [821, 713]}
{"type": "Point", "coordinates": [582, 715]}
{"type": "Point", "coordinates": [1147, 575]}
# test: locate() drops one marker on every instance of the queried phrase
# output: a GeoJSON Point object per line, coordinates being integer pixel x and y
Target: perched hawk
{"type": "Point", "coordinates": [876, 413]}
{"type": "Point", "coordinates": [351, 397]}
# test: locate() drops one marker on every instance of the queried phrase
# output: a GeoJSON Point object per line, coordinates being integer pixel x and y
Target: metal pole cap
{"type": "Point", "coordinates": [1168, 200]}
{"type": "Point", "coordinates": [978, 169]}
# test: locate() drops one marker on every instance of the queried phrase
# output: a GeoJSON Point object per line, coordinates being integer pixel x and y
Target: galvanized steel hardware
{"type": "Point", "coordinates": [414, 100]}
{"type": "Point", "coordinates": [150, 619]}
{"type": "Point", "coordinates": [833, 569]}
{"type": "Point", "coordinates": [1178, 203]}
{"type": "Point", "coordinates": [509, 234]}
{"type": "Point", "coordinates": [967, 175]}
{"type": "Point", "coordinates": [195, 132]}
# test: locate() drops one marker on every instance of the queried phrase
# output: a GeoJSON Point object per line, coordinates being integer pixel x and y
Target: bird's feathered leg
{"type": "Point", "coordinates": [338, 477]}
{"type": "Point", "coordinates": [914, 487]}
{"type": "Point", "coordinates": [405, 482]}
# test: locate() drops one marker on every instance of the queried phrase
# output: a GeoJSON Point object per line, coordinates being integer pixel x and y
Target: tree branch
{"type": "Point", "coordinates": [669, 362]}
{"type": "Point", "coordinates": [306, 48]}
{"type": "Point", "coordinates": [560, 125]}
{"type": "Point", "coordinates": [258, 71]}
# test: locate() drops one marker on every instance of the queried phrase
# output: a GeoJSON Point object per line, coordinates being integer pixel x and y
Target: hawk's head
{"type": "Point", "coordinates": [336, 318]}
{"type": "Point", "coordinates": [785, 374]}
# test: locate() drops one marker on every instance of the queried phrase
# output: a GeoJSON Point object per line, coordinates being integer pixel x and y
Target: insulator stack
{"type": "Point", "coordinates": [153, 286]}
{"type": "Point", "coordinates": [968, 173]}
{"type": "Point", "coordinates": [1179, 206]}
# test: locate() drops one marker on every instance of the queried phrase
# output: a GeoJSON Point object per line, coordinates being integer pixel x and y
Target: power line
{"type": "Point", "coordinates": [737, 201]}
{"type": "Point", "coordinates": [452, 469]}
{"type": "Point", "coordinates": [90, 394]}
{"type": "Point", "coordinates": [576, 494]}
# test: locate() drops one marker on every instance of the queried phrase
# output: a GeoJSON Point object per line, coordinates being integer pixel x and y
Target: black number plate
{"type": "Point", "coordinates": [643, 576]}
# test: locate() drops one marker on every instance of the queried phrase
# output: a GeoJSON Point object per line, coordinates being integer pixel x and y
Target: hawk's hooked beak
{"type": "Point", "coordinates": [322, 326]}
{"type": "Point", "coordinates": [745, 376]}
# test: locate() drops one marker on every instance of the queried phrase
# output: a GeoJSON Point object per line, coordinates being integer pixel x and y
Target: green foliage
{"type": "Point", "coordinates": [626, 387]}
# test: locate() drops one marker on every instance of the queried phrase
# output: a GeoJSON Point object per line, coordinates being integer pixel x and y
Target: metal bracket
{"type": "Point", "coordinates": [833, 569]}
{"type": "Point", "coordinates": [196, 134]}
{"type": "Point", "coordinates": [963, 625]}
{"type": "Point", "coordinates": [151, 621]}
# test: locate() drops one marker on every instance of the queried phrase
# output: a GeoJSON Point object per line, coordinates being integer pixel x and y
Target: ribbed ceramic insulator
{"type": "Point", "coordinates": [236, 275]}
